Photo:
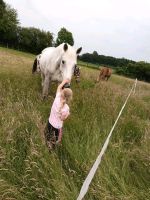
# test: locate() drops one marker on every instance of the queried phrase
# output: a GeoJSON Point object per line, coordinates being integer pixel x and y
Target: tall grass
{"type": "Point", "coordinates": [29, 171]}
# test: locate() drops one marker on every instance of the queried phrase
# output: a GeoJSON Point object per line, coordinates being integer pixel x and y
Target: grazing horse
{"type": "Point", "coordinates": [77, 74]}
{"type": "Point", "coordinates": [56, 64]}
{"type": "Point", "coordinates": [104, 74]}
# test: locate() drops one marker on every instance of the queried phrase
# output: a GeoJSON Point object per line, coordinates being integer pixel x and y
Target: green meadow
{"type": "Point", "coordinates": [28, 171]}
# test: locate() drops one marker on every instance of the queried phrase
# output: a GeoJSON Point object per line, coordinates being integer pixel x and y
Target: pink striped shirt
{"type": "Point", "coordinates": [56, 114]}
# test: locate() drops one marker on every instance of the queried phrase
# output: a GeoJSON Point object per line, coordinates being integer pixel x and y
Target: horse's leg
{"type": "Point", "coordinates": [98, 79]}
{"type": "Point", "coordinates": [103, 77]}
{"type": "Point", "coordinates": [46, 86]}
{"type": "Point", "coordinates": [108, 77]}
{"type": "Point", "coordinates": [42, 76]}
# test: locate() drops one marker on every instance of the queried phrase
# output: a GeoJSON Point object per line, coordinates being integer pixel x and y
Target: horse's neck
{"type": "Point", "coordinates": [58, 53]}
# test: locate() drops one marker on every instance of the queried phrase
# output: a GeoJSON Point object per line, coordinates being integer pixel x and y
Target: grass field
{"type": "Point", "coordinates": [29, 172]}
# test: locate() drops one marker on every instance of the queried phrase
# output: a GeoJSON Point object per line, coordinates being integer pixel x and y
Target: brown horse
{"type": "Point", "coordinates": [104, 74]}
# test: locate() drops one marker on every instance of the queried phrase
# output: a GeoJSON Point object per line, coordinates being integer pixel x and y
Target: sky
{"type": "Point", "coordinates": [118, 28]}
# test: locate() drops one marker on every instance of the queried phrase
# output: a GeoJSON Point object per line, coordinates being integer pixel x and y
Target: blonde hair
{"type": "Point", "coordinates": [67, 93]}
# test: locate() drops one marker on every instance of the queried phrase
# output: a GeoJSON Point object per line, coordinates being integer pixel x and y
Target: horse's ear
{"type": "Point", "coordinates": [65, 47]}
{"type": "Point", "coordinates": [79, 50]}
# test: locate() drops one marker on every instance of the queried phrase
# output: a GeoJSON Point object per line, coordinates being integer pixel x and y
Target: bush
{"type": "Point", "coordinates": [139, 70]}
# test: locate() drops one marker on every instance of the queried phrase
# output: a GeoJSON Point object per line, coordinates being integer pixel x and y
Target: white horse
{"type": "Point", "coordinates": [56, 64]}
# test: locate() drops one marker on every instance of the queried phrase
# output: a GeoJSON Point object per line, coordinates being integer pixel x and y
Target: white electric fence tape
{"type": "Point", "coordinates": [91, 174]}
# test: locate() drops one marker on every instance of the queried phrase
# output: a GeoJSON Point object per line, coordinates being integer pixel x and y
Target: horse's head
{"type": "Point", "coordinates": [68, 61]}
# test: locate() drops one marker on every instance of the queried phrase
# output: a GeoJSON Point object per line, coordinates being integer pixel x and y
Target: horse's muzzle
{"type": "Point", "coordinates": [66, 85]}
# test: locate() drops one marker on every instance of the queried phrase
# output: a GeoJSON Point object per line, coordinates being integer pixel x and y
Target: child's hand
{"type": "Point", "coordinates": [59, 88]}
{"type": "Point", "coordinates": [58, 142]}
{"type": "Point", "coordinates": [64, 116]}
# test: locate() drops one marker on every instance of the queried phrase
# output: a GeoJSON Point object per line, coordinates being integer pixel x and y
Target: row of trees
{"type": "Point", "coordinates": [32, 39]}
{"type": "Point", "coordinates": [122, 66]}
{"type": "Point", "coordinates": [28, 39]}
{"type": "Point", "coordinates": [139, 70]}
{"type": "Point", "coordinates": [104, 60]}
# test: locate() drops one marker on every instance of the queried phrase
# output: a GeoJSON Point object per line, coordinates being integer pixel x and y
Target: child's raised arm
{"type": "Point", "coordinates": [59, 88]}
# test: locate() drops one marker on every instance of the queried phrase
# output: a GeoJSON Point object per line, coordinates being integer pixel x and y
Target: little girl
{"type": "Point", "coordinates": [59, 112]}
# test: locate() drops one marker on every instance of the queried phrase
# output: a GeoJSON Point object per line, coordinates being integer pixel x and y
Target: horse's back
{"type": "Point", "coordinates": [48, 49]}
{"type": "Point", "coordinates": [46, 56]}
{"type": "Point", "coordinates": [46, 53]}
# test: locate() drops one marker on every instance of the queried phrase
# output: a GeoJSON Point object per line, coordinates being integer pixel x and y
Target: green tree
{"type": "Point", "coordinates": [34, 40]}
{"type": "Point", "coordinates": [64, 36]}
{"type": "Point", "coordinates": [2, 8]}
{"type": "Point", "coordinates": [95, 53]}
{"type": "Point", "coordinates": [139, 70]}
{"type": "Point", "coordinates": [8, 24]}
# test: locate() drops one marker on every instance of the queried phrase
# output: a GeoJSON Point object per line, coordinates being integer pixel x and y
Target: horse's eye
{"type": "Point", "coordinates": [63, 62]}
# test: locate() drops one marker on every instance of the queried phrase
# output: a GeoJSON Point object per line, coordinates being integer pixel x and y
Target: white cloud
{"type": "Point", "coordinates": [111, 27]}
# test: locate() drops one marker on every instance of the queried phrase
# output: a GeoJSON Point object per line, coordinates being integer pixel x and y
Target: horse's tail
{"type": "Point", "coordinates": [34, 68]}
